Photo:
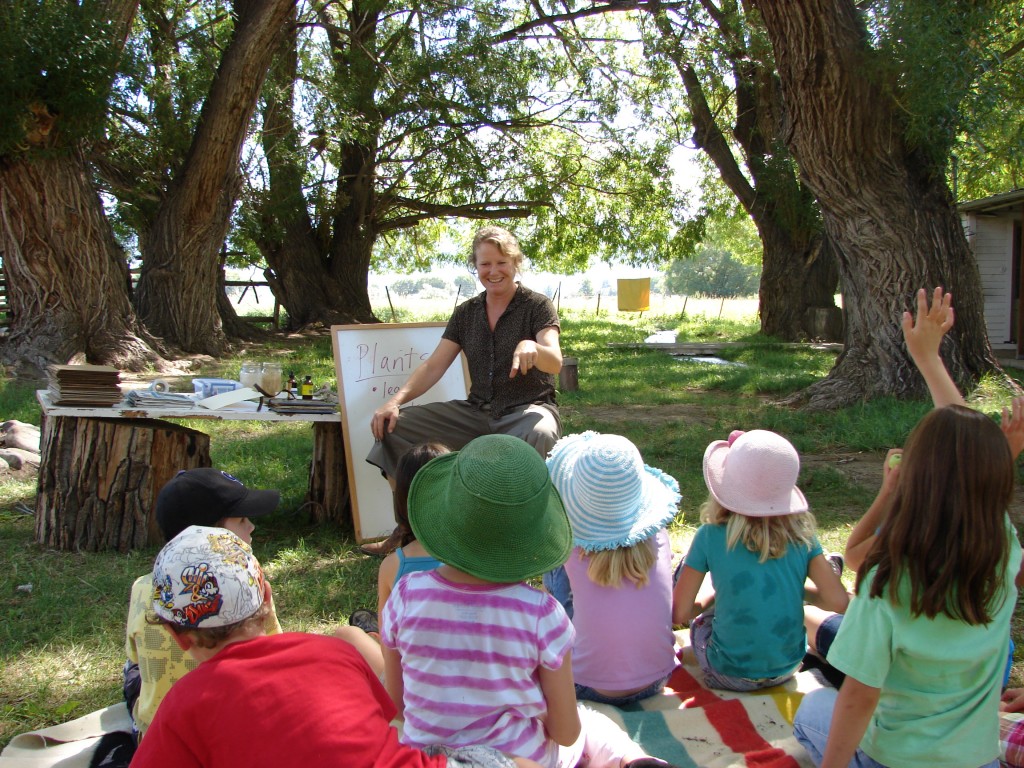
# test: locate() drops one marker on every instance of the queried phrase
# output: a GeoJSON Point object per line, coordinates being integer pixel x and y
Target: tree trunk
{"type": "Point", "coordinates": [98, 480]}
{"type": "Point", "coordinates": [798, 273]}
{"type": "Point", "coordinates": [317, 278]}
{"type": "Point", "coordinates": [890, 214]}
{"type": "Point", "coordinates": [67, 281]}
{"type": "Point", "coordinates": [328, 481]}
{"type": "Point", "coordinates": [178, 286]}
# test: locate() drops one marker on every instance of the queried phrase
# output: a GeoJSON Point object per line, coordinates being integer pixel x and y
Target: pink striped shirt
{"type": "Point", "coordinates": [470, 655]}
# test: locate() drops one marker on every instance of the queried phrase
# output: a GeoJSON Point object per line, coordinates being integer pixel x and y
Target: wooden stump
{"type": "Point", "coordinates": [568, 377]}
{"type": "Point", "coordinates": [98, 479]}
{"type": "Point", "coordinates": [328, 476]}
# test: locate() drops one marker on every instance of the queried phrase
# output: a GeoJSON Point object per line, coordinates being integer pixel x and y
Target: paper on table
{"type": "Point", "coordinates": [228, 398]}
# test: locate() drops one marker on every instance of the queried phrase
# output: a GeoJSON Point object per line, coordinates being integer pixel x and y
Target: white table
{"type": "Point", "coordinates": [101, 468]}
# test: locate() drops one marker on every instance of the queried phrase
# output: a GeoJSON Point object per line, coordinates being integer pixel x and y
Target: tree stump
{"type": "Point", "coordinates": [98, 479]}
{"type": "Point", "coordinates": [328, 476]}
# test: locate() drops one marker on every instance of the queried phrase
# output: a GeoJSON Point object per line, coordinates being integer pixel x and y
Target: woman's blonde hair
{"type": "Point", "coordinates": [610, 567]}
{"type": "Point", "coordinates": [501, 239]}
{"type": "Point", "coordinates": [766, 537]}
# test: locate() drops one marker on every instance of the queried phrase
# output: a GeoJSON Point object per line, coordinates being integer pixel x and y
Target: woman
{"type": "Point", "coordinates": [510, 336]}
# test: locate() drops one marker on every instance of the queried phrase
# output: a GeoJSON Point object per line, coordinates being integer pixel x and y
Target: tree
{"type": "Point", "coordinates": [68, 284]}
{"type": "Point", "coordinates": [423, 112]}
{"type": "Point", "coordinates": [180, 286]}
{"type": "Point", "coordinates": [713, 272]}
{"type": "Point", "coordinates": [878, 176]}
{"type": "Point", "coordinates": [734, 104]}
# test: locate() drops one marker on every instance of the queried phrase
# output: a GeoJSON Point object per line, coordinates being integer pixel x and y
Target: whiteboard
{"type": "Point", "coordinates": [372, 361]}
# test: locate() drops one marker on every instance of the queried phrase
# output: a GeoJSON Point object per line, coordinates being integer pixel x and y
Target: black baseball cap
{"type": "Point", "coordinates": [204, 496]}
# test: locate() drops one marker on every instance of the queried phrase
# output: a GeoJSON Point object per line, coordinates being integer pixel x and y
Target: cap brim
{"type": "Point", "coordinates": [257, 503]}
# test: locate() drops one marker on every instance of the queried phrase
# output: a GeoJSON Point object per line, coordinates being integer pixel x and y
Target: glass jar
{"type": "Point", "coordinates": [270, 378]}
{"type": "Point", "coordinates": [249, 374]}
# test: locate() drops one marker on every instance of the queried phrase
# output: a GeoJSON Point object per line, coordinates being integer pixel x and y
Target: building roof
{"type": "Point", "coordinates": [1004, 202]}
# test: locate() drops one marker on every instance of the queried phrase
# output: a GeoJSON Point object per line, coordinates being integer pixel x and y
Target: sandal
{"type": "Point", "coordinates": [364, 620]}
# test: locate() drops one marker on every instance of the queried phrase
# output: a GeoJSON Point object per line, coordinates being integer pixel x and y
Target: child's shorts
{"type": "Point", "coordinates": [700, 637]}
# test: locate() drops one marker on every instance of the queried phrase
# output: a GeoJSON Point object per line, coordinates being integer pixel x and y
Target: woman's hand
{"type": "Point", "coordinates": [384, 420]}
{"type": "Point", "coordinates": [524, 358]}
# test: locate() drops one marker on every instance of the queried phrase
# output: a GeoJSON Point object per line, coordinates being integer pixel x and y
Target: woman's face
{"type": "Point", "coordinates": [495, 270]}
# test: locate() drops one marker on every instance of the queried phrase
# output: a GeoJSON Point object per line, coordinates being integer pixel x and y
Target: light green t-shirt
{"type": "Point", "coordinates": [940, 679]}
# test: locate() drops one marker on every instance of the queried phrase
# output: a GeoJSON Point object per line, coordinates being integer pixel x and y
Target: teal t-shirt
{"type": "Point", "coordinates": [758, 631]}
{"type": "Point", "coordinates": [940, 679]}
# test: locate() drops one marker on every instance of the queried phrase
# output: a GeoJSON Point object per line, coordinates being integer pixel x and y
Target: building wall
{"type": "Point", "coordinates": [991, 238]}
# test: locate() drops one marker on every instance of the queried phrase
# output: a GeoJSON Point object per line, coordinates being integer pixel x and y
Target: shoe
{"type": "Point", "coordinates": [837, 562]}
{"type": "Point", "coordinates": [649, 762]}
{"type": "Point", "coordinates": [386, 546]}
{"type": "Point", "coordinates": [364, 620]}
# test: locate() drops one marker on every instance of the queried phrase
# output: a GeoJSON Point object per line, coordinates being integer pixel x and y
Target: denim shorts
{"type": "Point", "coordinates": [586, 693]}
{"type": "Point", "coordinates": [700, 638]}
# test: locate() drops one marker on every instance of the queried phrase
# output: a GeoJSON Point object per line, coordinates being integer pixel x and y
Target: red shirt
{"type": "Point", "coordinates": [284, 700]}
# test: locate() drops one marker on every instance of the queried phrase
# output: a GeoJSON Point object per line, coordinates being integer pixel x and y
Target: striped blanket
{"type": "Point", "coordinates": [691, 725]}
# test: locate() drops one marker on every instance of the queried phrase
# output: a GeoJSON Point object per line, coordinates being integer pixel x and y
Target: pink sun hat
{"type": "Point", "coordinates": [754, 474]}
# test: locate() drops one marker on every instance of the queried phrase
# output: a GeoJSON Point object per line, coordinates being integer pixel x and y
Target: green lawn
{"type": "Point", "coordinates": [61, 642]}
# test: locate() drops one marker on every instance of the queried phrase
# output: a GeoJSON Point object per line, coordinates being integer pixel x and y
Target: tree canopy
{"type": "Point", "coordinates": [385, 130]}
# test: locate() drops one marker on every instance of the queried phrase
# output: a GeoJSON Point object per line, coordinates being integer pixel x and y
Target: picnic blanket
{"type": "Point", "coordinates": [687, 724]}
{"type": "Point", "coordinates": [68, 745]}
{"type": "Point", "coordinates": [690, 725]}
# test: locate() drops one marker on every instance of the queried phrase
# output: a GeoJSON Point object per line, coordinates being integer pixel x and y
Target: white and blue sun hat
{"type": "Point", "coordinates": [611, 497]}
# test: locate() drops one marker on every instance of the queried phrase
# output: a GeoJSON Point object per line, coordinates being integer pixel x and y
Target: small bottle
{"type": "Point", "coordinates": [292, 384]}
{"type": "Point", "coordinates": [307, 388]}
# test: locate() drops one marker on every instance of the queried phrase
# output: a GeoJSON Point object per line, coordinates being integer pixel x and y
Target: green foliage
{"type": "Point", "coordinates": [55, 73]}
{"type": "Point", "coordinates": [712, 272]}
{"type": "Point", "coordinates": [937, 60]}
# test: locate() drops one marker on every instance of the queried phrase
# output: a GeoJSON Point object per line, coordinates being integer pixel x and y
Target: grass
{"type": "Point", "coordinates": [61, 643]}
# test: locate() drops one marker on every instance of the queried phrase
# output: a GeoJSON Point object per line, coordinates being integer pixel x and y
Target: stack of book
{"type": "Point", "coordinates": [297, 405]}
{"type": "Point", "coordinates": [84, 385]}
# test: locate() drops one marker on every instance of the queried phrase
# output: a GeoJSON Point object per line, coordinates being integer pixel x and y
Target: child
{"type": "Point", "coordinates": [924, 643]}
{"type": "Point", "coordinates": [758, 543]}
{"type": "Point", "coordinates": [202, 496]}
{"type": "Point", "coordinates": [261, 701]}
{"type": "Point", "coordinates": [472, 654]}
{"type": "Point", "coordinates": [621, 566]}
{"type": "Point", "coordinates": [409, 557]}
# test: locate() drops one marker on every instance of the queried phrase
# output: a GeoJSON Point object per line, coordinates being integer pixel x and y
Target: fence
{"type": "Point", "coordinates": [274, 319]}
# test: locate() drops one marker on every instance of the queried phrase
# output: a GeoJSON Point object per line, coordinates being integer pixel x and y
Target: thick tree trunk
{"type": "Point", "coordinates": [796, 280]}
{"type": "Point", "coordinates": [891, 216]}
{"type": "Point", "coordinates": [328, 481]}
{"type": "Point", "coordinates": [67, 282]}
{"type": "Point", "coordinates": [178, 287]}
{"type": "Point", "coordinates": [98, 480]}
{"type": "Point", "coordinates": [798, 273]}
{"type": "Point", "coordinates": [318, 279]}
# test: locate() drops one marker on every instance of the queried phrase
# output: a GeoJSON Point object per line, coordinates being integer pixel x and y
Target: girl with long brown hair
{"type": "Point", "coordinates": [924, 642]}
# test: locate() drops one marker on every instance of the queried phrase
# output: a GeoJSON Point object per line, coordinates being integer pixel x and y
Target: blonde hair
{"type": "Point", "coordinates": [501, 239]}
{"type": "Point", "coordinates": [766, 537]}
{"type": "Point", "coordinates": [610, 567]}
{"type": "Point", "coordinates": [211, 637]}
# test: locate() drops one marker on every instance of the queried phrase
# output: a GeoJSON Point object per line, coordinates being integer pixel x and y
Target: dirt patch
{"type": "Point", "coordinates": [648, 415]}
{"type": "Point", "coordinates": [860, 468]}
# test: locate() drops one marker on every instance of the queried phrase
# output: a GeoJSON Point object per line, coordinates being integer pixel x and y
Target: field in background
{"type": "Point", "coordinates": [665, 307]}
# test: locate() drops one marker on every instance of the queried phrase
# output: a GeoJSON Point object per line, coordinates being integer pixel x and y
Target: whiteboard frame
{"type": "Point", "coordinates": [369, 493]}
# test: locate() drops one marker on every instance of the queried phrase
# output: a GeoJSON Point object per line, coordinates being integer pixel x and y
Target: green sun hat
{"type": "Point", "coordinates": [490, 510]}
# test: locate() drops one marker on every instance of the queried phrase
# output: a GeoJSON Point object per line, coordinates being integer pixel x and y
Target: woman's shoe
{"type": "Point", "coordinates": [386, 546]}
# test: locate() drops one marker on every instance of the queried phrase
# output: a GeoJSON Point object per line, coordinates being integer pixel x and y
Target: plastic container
{"type": "Point", "coordinates": [210, 387]}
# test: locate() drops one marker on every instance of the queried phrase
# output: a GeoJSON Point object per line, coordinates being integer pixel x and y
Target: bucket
{"type": "Point", "coordinates": [568, 380]}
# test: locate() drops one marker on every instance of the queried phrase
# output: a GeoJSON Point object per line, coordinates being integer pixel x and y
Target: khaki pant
{"type": "Point", "coordinates": [456, 422]}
